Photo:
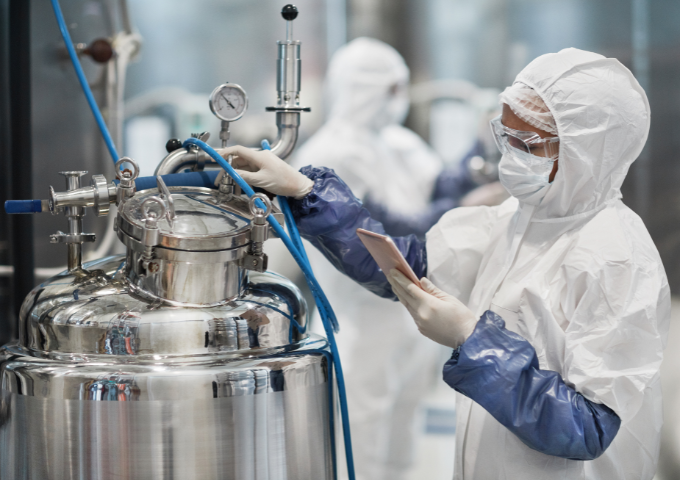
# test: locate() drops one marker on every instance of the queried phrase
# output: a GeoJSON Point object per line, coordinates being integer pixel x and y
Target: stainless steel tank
{"type": "Point", "coordinates": [178, 360]}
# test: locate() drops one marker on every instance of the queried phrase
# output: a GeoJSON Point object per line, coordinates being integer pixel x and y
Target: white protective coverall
{"type": "Point", "coordinates": [388, 365]}
{"type": "Point", "coordinates": [578, 276]}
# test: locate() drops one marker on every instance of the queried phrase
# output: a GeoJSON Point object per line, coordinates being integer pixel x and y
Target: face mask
{"type": "Point", "coordinates": [526, 177]}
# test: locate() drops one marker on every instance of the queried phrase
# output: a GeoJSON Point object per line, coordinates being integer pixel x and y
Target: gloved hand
{"type": "Point", "coordinates": [439, 316]}
{"type": "Point", "coordinates": [261, 168]}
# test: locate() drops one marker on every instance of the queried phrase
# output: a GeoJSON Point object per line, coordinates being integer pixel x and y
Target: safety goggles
{"type": "Point", "coordinates": [528, 142]}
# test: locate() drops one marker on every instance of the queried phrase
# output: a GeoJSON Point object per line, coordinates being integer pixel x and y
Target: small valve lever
{"type": "Point", "coordinates": [167, 198]}
{"type": "Point", "coordinates": [257, 260]}
{"type": "Point", "coordinates": [75, 237]}
{"type": "Point", "coordinates": [203, 136]}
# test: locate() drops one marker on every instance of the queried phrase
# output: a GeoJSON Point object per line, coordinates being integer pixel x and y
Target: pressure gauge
{"type": "Point", "coordinates": [229, 102]}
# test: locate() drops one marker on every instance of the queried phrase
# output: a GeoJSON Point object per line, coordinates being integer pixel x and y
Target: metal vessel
{"type": "Point", "coordinates": [182, 359]}
{"type": "Point", "coordinates": [173, 361]}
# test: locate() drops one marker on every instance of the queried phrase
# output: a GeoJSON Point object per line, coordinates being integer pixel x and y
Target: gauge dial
{"type": "Point", "coordinates": [229, 102]}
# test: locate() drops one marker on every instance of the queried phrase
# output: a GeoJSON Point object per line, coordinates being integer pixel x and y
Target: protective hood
{"type": "Point", "coordinates": [360, 84]}
{"type": "Point", "coordinates": [602, 116]}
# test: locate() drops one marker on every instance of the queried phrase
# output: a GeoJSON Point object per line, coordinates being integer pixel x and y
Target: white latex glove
{"type": "Point", "coordinates": [438, 315]}
{"type": "Point", "coordinates": [261, 168]}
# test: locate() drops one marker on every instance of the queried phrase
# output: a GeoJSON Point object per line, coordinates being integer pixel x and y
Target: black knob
{"type": "Point", "coordinates": [289, 12]}
{"type": "Point", "coordinates": [173, 144]}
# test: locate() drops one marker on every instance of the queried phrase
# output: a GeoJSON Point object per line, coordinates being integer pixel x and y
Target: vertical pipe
{"type": "Point", "coordinates": [20, 150]}
{"type": "Point", "coordinates": [6, 322]}
{"type": "Point", "coordinates": [336, 25]}
{"type": "Point", "coordinates": [640, 39]}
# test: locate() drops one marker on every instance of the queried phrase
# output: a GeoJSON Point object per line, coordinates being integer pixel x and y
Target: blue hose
{"type": "Point", "coordinates": [83, 81]}
{"type": "Point", "coordinates": [325, 311]}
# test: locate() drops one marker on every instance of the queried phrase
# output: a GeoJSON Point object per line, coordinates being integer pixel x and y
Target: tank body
{"type": "Point", "coordinates": [106, 383]}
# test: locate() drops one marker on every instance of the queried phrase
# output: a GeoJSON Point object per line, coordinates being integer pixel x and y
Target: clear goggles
{"type": "Point", "coordinates": [528, 142]}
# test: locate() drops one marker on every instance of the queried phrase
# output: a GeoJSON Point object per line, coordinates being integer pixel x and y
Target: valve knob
{"type": "Point", "coordinates": [173, 144]}
{"type": "Point", "coordinates": [289, 12]}
{"type": "Point", "coordinates": [100, 50]}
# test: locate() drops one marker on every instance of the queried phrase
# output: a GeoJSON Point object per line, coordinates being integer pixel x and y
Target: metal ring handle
{"type": "Point", "coordinates": [257, 211]}
{"type": "Point", "coordinates": [135, 172]}
{"type": "Point", "coordinates": [146, 204]}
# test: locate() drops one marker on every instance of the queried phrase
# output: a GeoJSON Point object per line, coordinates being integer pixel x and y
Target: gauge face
{"type": "Point", "coordinates": [228, 102]}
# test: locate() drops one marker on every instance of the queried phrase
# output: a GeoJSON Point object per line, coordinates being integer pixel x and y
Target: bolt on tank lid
{"type": "Point", "coordinates": [201, 222]}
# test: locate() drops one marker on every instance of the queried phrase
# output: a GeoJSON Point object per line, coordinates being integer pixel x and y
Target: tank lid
{"type": "Point", "coordinates": [201, 222]}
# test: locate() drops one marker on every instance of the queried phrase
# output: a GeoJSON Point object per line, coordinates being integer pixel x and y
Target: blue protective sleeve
{"type": "Point", "coordinates": [328, 218]}
{"type": "Point", "coordinates": [499, 370]}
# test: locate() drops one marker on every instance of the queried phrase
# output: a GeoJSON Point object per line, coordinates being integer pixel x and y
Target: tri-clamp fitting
{"type": "Point", "coordinates": [256, 259]}
{"type": "Point", "coordinates": [75, 237]}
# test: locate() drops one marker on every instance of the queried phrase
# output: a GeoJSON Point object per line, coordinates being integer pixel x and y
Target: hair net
{"type": "Point", "coordinates": [529, 106]}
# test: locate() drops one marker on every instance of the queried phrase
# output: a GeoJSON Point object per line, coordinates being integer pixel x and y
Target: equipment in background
{"type": "Point", "coordinates": [205, 354]}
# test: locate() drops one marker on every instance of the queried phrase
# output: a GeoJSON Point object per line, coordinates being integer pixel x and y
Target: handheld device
{"type": "Point", "coordinates": [386, 254]}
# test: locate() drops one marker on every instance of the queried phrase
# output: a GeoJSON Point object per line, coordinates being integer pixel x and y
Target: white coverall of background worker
{"type": "Point", "coordinates": [388, 365]}
{"type": "Point", "coordinates": [556, 302]}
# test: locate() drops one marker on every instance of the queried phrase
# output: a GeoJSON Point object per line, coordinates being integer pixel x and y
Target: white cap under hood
{"type": "Point", "coordinates": [603, 117]}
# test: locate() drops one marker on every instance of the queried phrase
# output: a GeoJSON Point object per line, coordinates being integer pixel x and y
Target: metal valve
{"type": "Point", "coordinates": [151, 234]}
{"type": "Point", "coordinates": [256, 259]}
{"type": "Point", "coordinates": [100, 195]}
{"type": "Point", "coordinates": [75, 237]}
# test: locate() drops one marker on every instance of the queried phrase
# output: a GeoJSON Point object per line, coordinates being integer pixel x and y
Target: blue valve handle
{"type": "Point", "coordinates": [23, 206]}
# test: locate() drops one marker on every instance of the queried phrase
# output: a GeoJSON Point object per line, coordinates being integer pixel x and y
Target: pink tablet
{"type": "Point", "coordinates": [386, 253]}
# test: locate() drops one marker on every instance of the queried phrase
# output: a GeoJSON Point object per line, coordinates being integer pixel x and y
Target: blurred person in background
{"type": "Point", "coordinates": [388, 364]}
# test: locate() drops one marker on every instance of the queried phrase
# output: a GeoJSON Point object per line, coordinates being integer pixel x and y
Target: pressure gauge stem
{"type": "Point", "coordinates": [225, 133]}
